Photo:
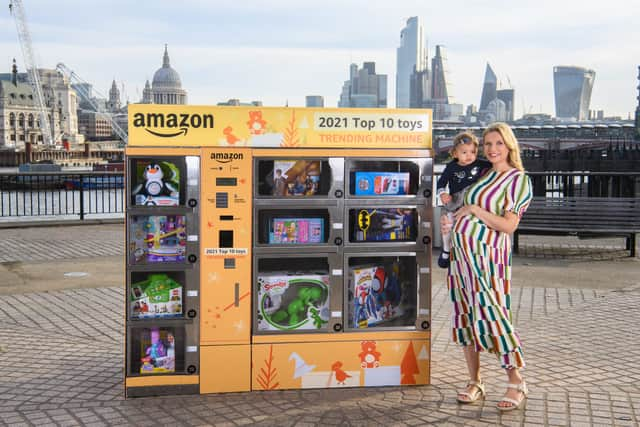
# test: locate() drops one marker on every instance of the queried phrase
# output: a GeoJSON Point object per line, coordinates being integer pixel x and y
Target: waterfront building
{"type": "Point", "coordinates": [20, 114]}
{"type": "Point", "coordinates": [572, 88]}
{"type": "Point", "coordinates": [365, 88]}
{"type": "Point", "coordinates": [114, 98]}
{"type": "Point", "coordinates": [166, 86]}
{"type": "Point", "coordinates": [93, 125]}
{"type": "Point", "coordinates": [314, 101]}
{"type": "Point", "coordinates": [147, 94]}
{"type": "Point", "coordinates": [234, 102]}
{"type": "Point", "coordinates": [411, 58]}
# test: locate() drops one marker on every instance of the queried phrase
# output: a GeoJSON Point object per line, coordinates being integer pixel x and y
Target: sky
{"type": "Point", "coordinates": [278, 51]}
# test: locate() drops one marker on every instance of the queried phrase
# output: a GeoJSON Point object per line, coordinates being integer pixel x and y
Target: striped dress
{"type": "Point", "coordinates": [479, 277]}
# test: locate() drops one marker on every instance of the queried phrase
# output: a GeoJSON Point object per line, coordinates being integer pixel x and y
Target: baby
{"type": "Point", "coordinates": [460, 173]}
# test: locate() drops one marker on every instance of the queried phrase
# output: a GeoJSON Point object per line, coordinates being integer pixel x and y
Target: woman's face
{"type": "Point", "coordinates": [495, 149]}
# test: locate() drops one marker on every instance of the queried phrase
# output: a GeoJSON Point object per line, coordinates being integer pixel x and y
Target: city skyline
{"type": "Point", "coordinates": [281, 53]}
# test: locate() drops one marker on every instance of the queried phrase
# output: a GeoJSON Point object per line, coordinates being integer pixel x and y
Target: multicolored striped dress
{"type": "Point", "coordinates": [479, 277]}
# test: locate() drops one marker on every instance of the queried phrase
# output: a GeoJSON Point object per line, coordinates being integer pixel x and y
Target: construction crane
{"type": "Point", "coordinates": [80, 87]}
{"type": "Point", "coordinates": [17, 10]}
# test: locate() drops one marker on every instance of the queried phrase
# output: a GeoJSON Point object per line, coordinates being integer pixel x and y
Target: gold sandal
{"type": "Point", "coordinates": [515, 404]}
{"type": "Point", "coordinates": [474, 394]}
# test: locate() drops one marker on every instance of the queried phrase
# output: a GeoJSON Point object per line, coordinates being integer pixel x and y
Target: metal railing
{"type": "Point", "coordinates": [585, 184]}
{"type": "Point", "coordinates": [98, 195]}
{"type": "Point", "coordinates": [61, 195]}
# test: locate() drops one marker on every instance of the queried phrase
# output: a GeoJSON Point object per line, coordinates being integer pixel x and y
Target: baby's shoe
{"type": "Point", "coordinates": [443, 259]}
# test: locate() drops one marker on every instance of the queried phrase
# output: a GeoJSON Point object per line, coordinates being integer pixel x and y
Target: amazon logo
{"type": "Point", "coordinates": [172, 124]}
{"type": "Point", "coordinates": [225, 157]}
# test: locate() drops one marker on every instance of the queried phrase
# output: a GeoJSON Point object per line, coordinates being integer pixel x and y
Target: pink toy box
{"type": "Point", "coordinates": [292, 231]}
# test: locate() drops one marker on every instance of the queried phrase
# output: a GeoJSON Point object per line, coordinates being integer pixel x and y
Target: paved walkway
{"type": "Point", "coordinates": [61, 351]}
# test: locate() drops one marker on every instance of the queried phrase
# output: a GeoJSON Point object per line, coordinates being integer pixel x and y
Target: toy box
{"type": "Point", "coordinates": [381, 183]}
{"type": "Point", "coordinates": [375, 295]}
{"type": "Point", "coordinates": [157, 350]}
{"type": "Point", "coordinates": [156, 297]}
{"type": "Point", "coordinates": [156, 183]}
{"type": "Point", "coordinates": [296, 231]}
{"type": "Point", "coordinates": [295, 177]}
{"type": "Point", "coordinates": [384, 224]}
{"type": "Point", "coordinates": [293, 301]}
{"type": "Point", "coordinates": [158, 239]}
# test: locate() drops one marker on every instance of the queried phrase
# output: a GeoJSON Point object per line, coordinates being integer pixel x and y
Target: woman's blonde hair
{"type": "Point", "coordinates": [466, 137]}
{"type": "Point", "coordinates": [509, 140]}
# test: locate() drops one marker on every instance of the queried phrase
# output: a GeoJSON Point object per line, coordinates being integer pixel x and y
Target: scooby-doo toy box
{"type": "Point", "coordinates": [293, 302]}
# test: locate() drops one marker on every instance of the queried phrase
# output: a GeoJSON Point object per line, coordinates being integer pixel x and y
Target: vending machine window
{"type": "Point", "coordinates": [157, 181]}
{"type": "Point", "coordinates": [157, 350]}
{"type": "Point", "coordinates": [381, 291]}
{"type": "Point", "coordinates": [157, 295]}
{"type": "Point", "coordinates": [383, 224]}
{"type": "Point", "coordinates": [293, 177]}
{"type": "Point", "coordinates": [292, 295]}
{"type": "Point", "coordinates": [383, 178]}
{"type": "Point", "coordinates": [293, 226]}
{"type": "Point", "coordinates": [157, 239]}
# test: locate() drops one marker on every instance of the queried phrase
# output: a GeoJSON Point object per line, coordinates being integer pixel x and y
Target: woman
{"type": "Point", "coordinates": [479, 276]}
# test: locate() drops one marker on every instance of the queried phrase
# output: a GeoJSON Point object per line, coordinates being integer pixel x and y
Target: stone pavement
{"type": "Point", "coordinates": [61, 351]}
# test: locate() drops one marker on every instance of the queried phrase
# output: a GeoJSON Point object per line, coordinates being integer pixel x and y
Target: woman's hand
{"type": "Point", "coordinates": [464, 211]}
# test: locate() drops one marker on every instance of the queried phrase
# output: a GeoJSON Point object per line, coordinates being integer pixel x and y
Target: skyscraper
{"type": "Point", "coordinates": [365, 88]}
{"type": "Point", "coordinates": [496, 103]}
{"type": "Point", "coordinates": [508, 97]}
{"type": "Point", "coordinates": [411, 57]}
{"type": "Point", "coordinates": [489, 88]}
{"type": "Point", "coordinates": [314, 101]}
{"type": "Point", "coordinates": [572, 87]}
{"type": "Point", "coordinates": [439, 71]}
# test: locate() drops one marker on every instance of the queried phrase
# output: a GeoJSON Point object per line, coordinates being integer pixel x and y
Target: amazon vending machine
{"type": "Point", "coordinates": [277, 248]}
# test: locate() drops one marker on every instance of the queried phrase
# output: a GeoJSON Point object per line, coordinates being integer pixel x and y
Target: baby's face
{"type": "Point", "coordinates": [466, 154]}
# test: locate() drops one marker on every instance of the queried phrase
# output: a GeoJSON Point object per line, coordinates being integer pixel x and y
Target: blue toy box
{"type": "Point", "coordinates": [381, 183]}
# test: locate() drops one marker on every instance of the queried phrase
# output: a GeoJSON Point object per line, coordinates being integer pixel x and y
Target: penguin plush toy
{"type": "Point", "coordinates": [154, 184]}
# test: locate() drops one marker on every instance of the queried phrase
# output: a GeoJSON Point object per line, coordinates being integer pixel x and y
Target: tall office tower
{"type": "Point", "coordinates": [314, 101]}
{"type": "Point", "coordinates": [507, 96]}
{"type": "Point", "coordinates": [365, 88]}
{"type": "Point", "coordinates": [489, 88]}
{"type": "Point", "coordinates": [439, 71]}
{"type": "Point", "coordinates": [572, 87]}
{"type": "Point", "coordinates": [411, 57]}
{"type": "Point", "coordinates": [419, 89]}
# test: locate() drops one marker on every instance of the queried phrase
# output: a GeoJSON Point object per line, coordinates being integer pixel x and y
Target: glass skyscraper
{"type": "Point", "coordinates": [572, 87]}
{"type": "Point", "coordinates": [411, 56]}
{"type": "Point", "coordinates": [489, 87]}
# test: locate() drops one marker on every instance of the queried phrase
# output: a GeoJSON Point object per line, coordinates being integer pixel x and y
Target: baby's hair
{"type": "Point", "coordinates": [466, 137]}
